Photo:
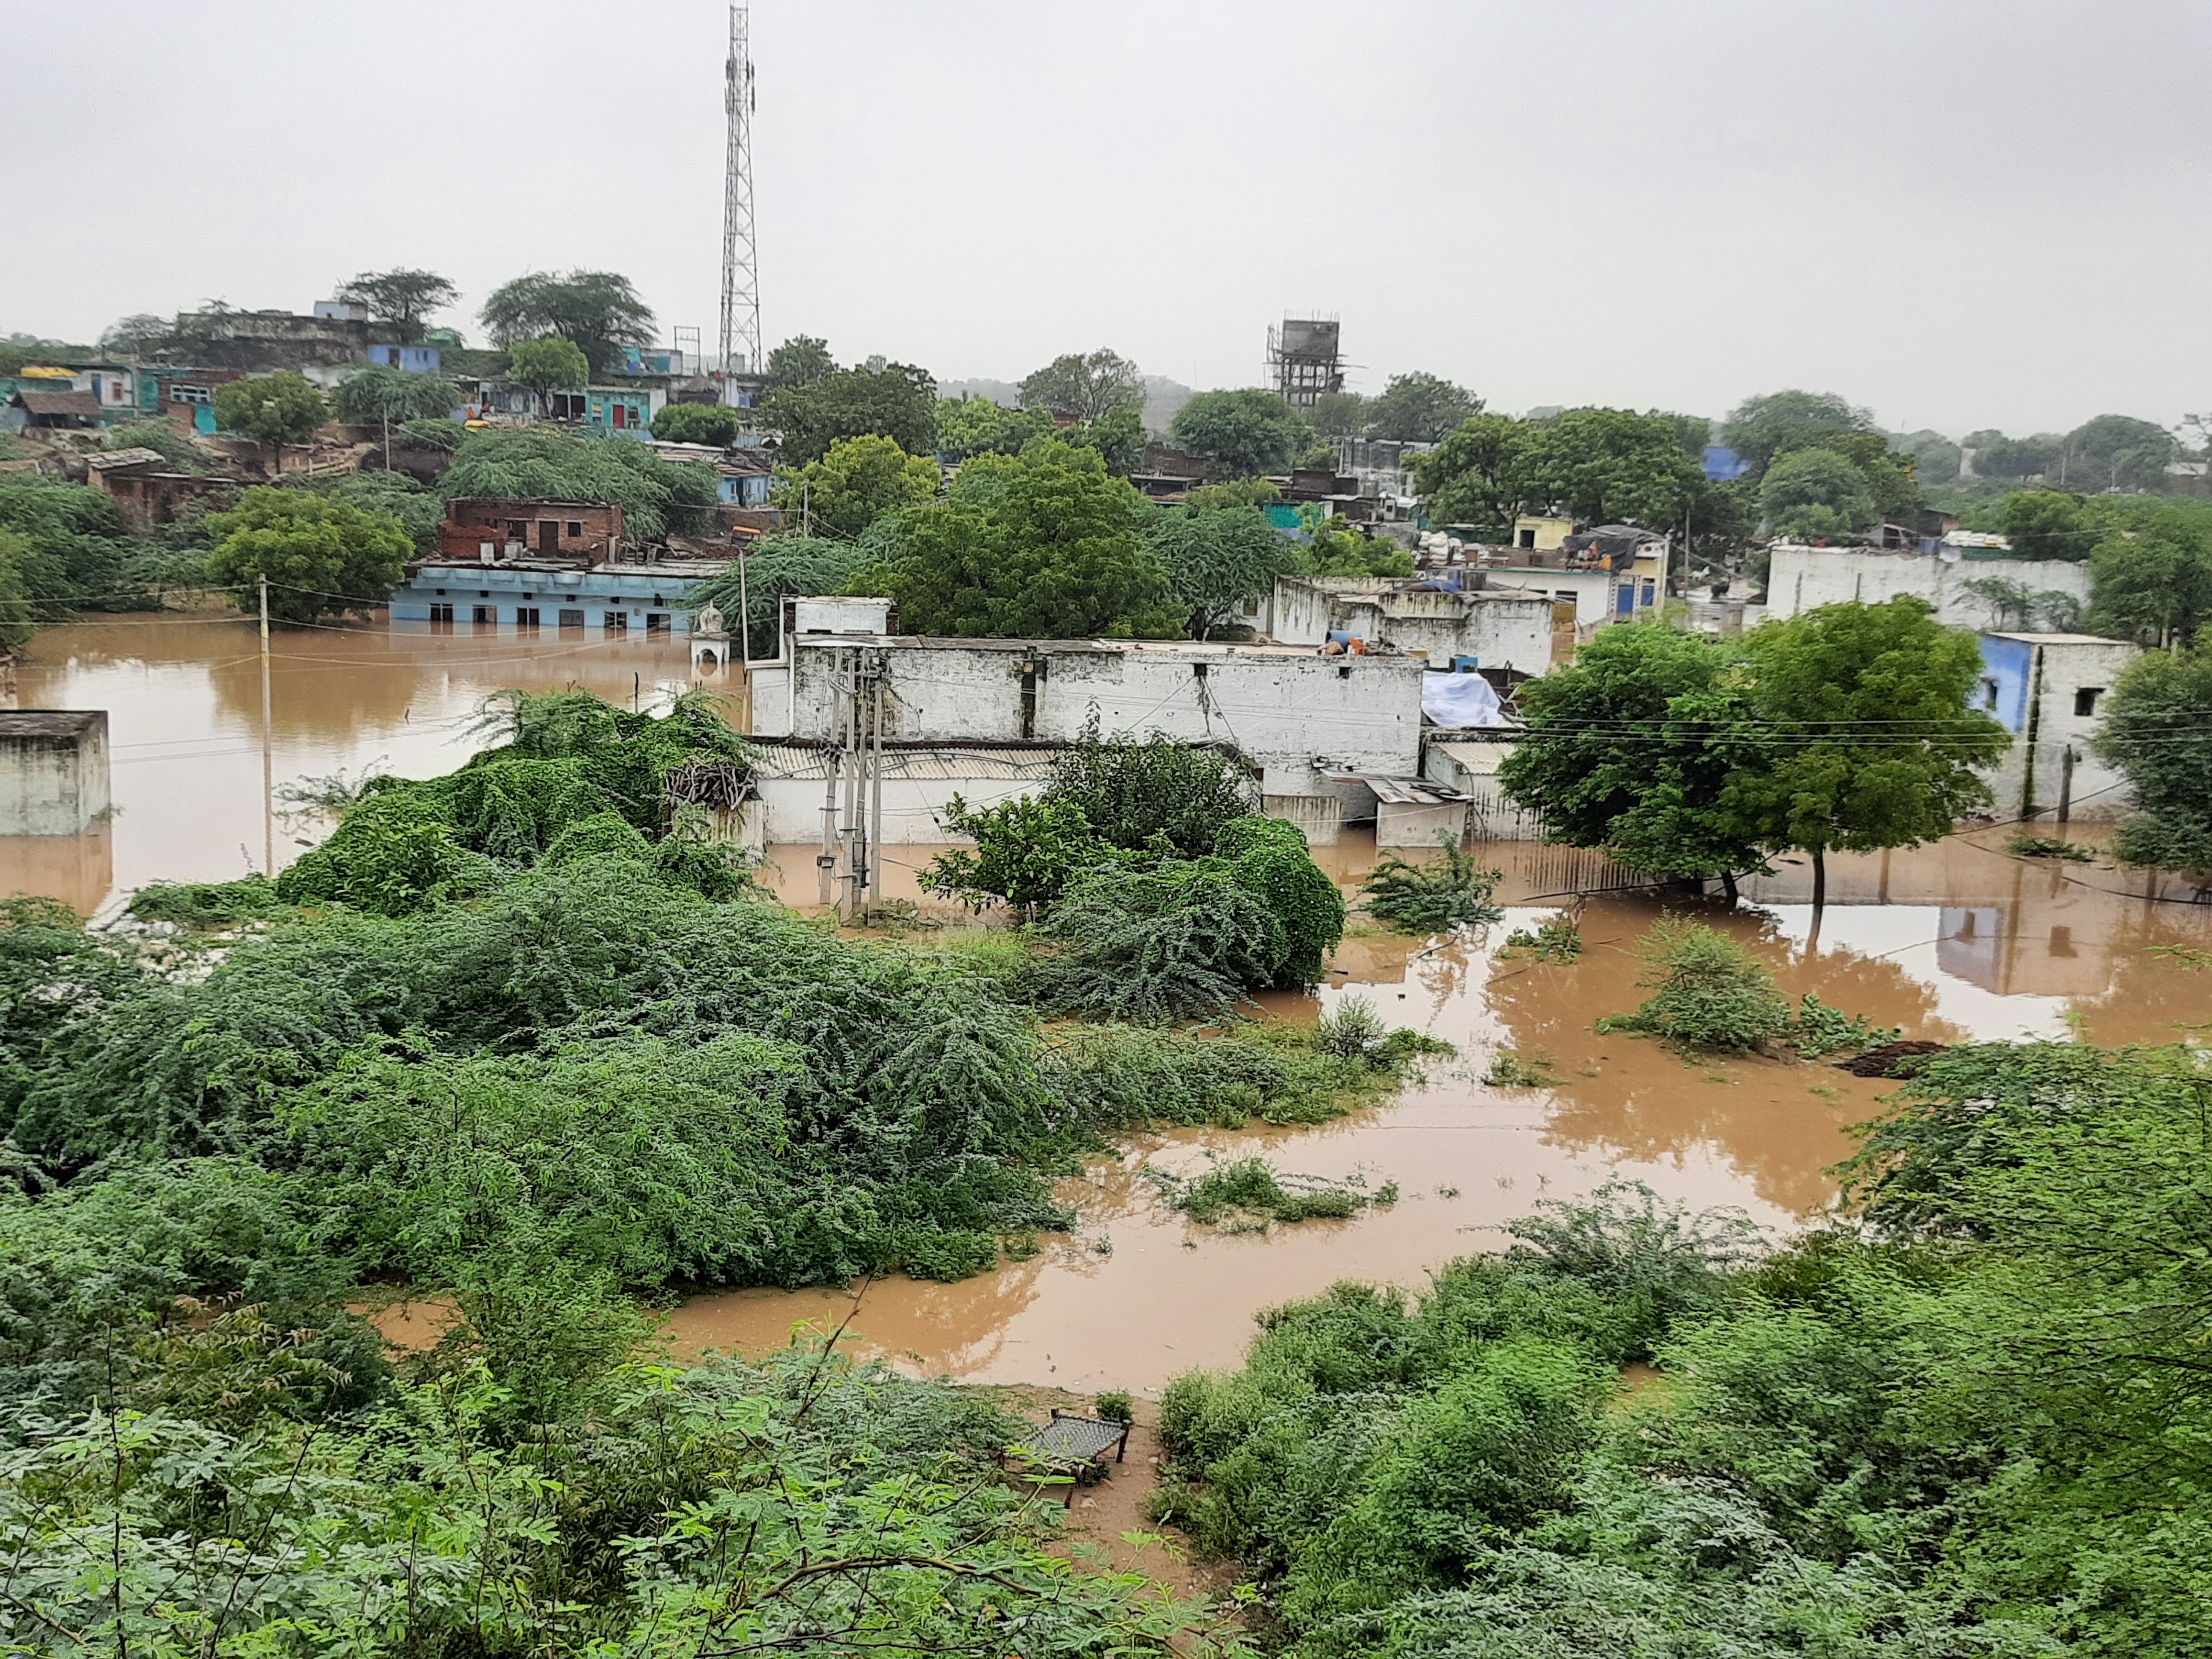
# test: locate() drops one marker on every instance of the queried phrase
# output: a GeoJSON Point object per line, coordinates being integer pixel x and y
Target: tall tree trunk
{"type": "Point", "coordinates": [1820, 880]}
{"type": "Point", "coordinates": [1728, 887]}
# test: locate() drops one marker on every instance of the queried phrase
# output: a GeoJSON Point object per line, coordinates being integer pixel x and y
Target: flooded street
{"type": "Point", "coordinates": [1950, 942]}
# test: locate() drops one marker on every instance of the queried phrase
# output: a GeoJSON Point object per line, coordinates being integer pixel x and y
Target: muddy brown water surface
{"type": "Point", "coordinates": [183, 696]}
{"type": "Point", "coordinates": [1951, 942]}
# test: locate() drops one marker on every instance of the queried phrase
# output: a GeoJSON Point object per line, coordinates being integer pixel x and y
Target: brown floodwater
{"type": "Point", "coordinates": [183, 696]}
{"type": "Point", "coordinates": [1953, 941]}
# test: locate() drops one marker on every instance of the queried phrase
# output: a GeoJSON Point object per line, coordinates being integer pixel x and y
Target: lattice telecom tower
{"type": "Point", "coordinates": [741, 329]}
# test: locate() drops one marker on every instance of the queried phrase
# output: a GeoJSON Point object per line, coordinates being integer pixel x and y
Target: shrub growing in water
{"type": "Point", "coordinates": [1417, 899]}
{"type": "Point", "coordinates": [1709, 992]}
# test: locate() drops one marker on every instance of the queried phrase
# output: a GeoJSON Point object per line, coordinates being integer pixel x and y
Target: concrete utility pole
{"type": "Point", "coordinates": [741, 326]}
{"type": "Point", "coordinates": [268, 773]}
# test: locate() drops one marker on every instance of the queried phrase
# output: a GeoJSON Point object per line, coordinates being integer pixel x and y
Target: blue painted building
{"type": "Point", "coordinates": [610, 409]}
{"type": "Point", "coordinates": [410, 359]}
{"type": "Point", "coordinates": [537, 595]}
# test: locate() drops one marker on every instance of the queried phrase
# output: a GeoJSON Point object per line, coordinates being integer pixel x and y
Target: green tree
{"type": "Point", "coordinates": [1819, 480]}
{"type": "Point", "coordinates": [976, 426]}
{"type": "Point", "coordinates": [2018, 457]}
{"type": "Point", "coordinates": [855, 484]}
{"type": "Point", "coordinates": [1243, 433]}
{"type": "Point", "coordinates": [776, 568]}
{"type": "Point", "coordinates": [1089, 385]}
{"type": "Point", "coordinates": [548, 462]}
{"type": "Point", "coordinates": [1342, 415]}
{"type": "Point", "coordinates": [698, 423]}
{"type": "Point", "coordinates": [275, 409]}
{"type": "Point", "coordinates": [548, 363]}
{"type": "Point", "coordinates": [2048, 524]}
{"type": "Point", "coordinates": [322, 555]}
{"type": "Point", "coordinates": [1608, 466]}
{"type": "Point", "coordinates": [1042, 547]}
{"type": "Point", "coordinates": [17, 619]}
{"type": "Point", "coordinates": [896, 401]}
{"type": "Point", "coordinates": [1334, 547]}
{"type": "Point", "coordinates": [379, 395]}
{"type": "Point", "coordinates": [2117, 451]}
{"type": "Point", "coordinates": [1626, 750]}
{"type": "Point", "coordinates": [597, 311]}
{"type": "Point", "coordinates": [800, 360]}
{"type": "Point", "coordinates": [1117, 437]}
{"type": "Point", "coordinates": [1860, 737]}
{"type": "Point", "coordinates": [2157, 728]}
{"type": "Point", "coordinates": [1934, 457]}
{"type": "Point", "coordinates": [1476, 475]}
{"type": "Point", "coordinates": [401, 297]}
{"type": "Point", "coordinates": [2153, 585]}
{"type": "Point", "coordinates": [1216, 561]}
{"type": "Point", "coordinates": [1421, 408]}
{"type": "Point", "coordinates": [1775, 423]}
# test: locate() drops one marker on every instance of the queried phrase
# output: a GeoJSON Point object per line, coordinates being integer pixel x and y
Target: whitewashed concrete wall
{"type": "Point", "coordinates": [2099, 792]}
{"type": "Point", "coordinates": [1802, 578]}
{"type": "Point", "coordinates": [1288, 710]}
{"type": "Point", "coordinates": [53, 771]}
{"type": "Point", "coordinates": [1502, 629]}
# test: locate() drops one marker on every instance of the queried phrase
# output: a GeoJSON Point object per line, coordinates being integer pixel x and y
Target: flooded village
{"type": "Point", "coordinates": [1519, 971]}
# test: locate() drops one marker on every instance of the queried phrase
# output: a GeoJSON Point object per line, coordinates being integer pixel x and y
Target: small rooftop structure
{"type": "Point", "coordinates": [114, 460]}
{"type": "Point", "coordinates": [53, 771]}
{"type": "Point", "coordinates": [56, 408]}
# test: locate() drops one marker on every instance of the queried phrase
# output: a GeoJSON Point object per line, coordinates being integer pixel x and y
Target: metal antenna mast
{"type": "Point", "coordinates": [741, 330]}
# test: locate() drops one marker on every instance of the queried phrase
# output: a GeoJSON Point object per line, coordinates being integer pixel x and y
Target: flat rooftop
{"type": "Point", "coordinates": [50, 723]}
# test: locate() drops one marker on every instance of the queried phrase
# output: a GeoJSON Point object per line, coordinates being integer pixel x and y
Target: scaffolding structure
{"type": "Point", "coordinates": [741, 327]}
{"type": "Point", "coordinates": [1303, 360]}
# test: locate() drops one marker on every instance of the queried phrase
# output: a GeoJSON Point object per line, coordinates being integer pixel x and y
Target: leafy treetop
{"type": "Point", "coordinates": [322, 554]}
{"type": "Point", "coordinates": [896, 401]}
{"type": "Point", "coordinates": [1244, 434]}
{"type": "Point", "coordinates": [1089, 385]}
{"type": "Point", "coordinates": [598, 311]}
{"type": "Point", "coordinates": [401, 297]}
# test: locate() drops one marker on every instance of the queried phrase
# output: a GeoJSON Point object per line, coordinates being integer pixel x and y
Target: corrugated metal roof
{"type": "Point", "coordinates": [1482, 758]}
{"type": "Point", "coordinates": [124, 458]}
{"type": "Point", "coordinates": [57, 403]}
{"type": "Point", "coordinates": [934, 765]}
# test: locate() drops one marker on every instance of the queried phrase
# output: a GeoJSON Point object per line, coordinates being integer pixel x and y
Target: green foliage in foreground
{"type": "Point", "coordinates": [578, 777]}
{"type": "Point", "coordinates": [1977, 1429]}
{"type": "Point", "coordinates": [803, 1505]}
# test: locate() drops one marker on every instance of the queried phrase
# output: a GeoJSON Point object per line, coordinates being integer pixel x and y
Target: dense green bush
{"type": "Point", "coordinates": [1708, 991]}
{"type": "Point", "coordinates": [574, 766]}
{"type": "Point", "coordinates": [1133, 792]}
{"type": "Point", "coordinates": [1157, 946]}
{"type": "Point", "coordinates": [1973, 1424]}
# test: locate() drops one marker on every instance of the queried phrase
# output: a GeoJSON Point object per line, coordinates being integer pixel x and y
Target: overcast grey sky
{"type": "Point", "coordinates": [1961, 213]}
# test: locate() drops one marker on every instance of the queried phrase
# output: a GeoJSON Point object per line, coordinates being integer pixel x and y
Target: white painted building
{"type": "Point", "coordinates": [2048, 690]}
{"type": "Point", "coordinates": [1802, 578]}
{"type": "Point", "coordinates": [1298, 715]}
{"type": "Point", "coordinates": [1497, 627]}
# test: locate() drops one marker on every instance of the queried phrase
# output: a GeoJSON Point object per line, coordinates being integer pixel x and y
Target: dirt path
{"type": "Point", "coordinates": [1103, 1512]}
